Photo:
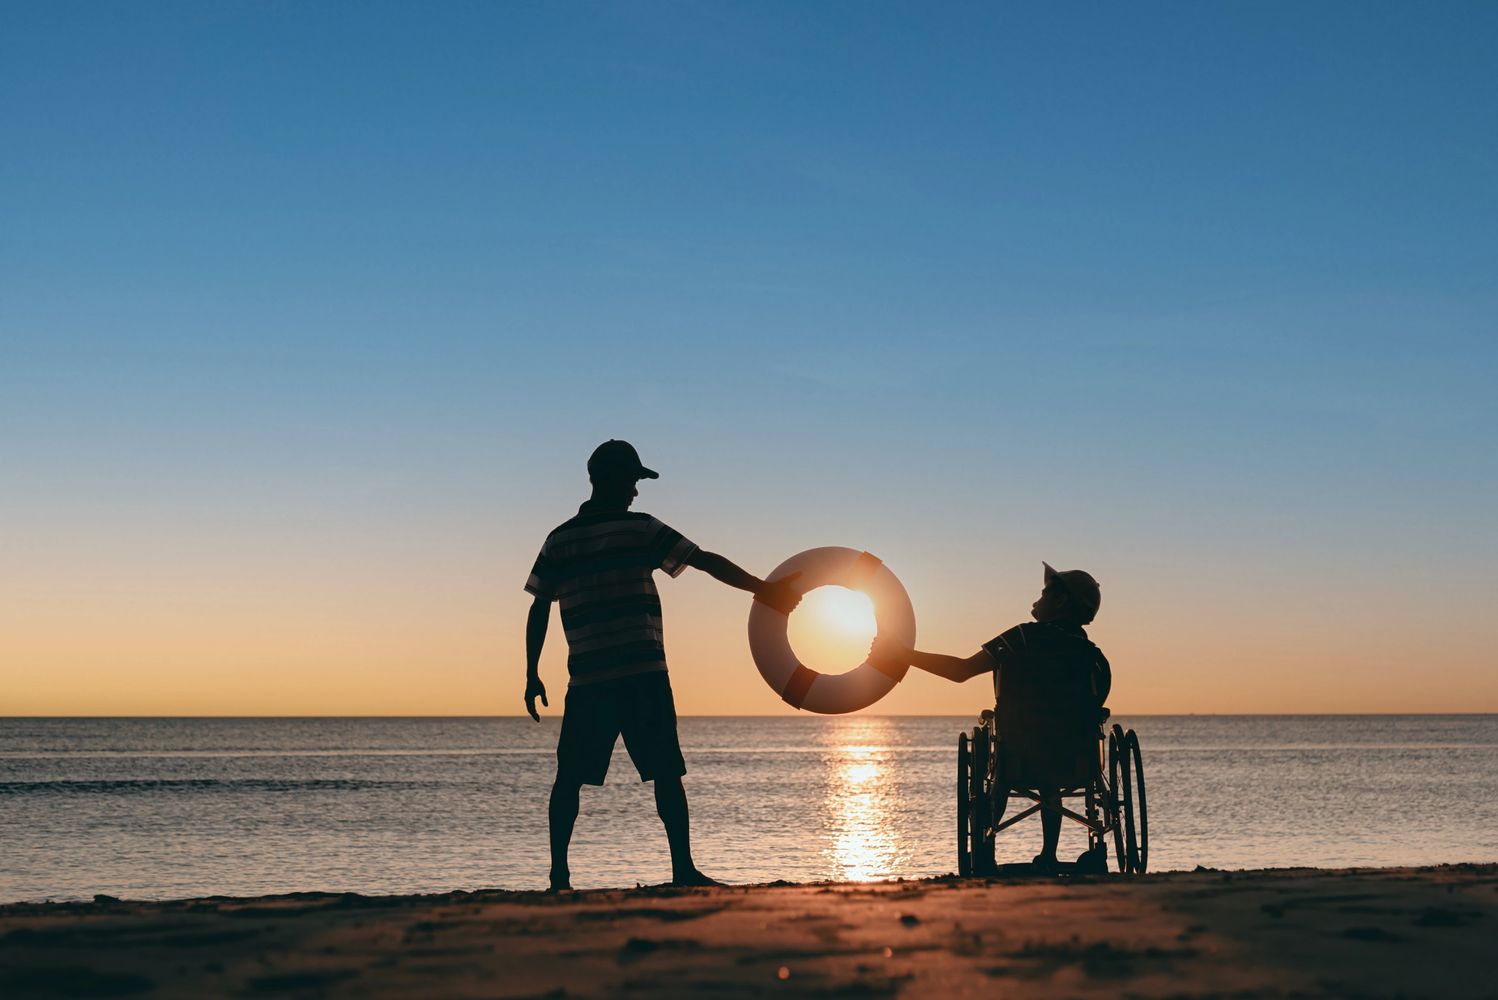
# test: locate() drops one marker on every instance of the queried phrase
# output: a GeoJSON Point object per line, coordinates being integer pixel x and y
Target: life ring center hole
{"type": "Point", "coordinates": [831, 630]}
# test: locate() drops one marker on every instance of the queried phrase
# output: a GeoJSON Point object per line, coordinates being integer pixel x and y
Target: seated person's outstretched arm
{"type": "Point", "coordinates": [890, 651]}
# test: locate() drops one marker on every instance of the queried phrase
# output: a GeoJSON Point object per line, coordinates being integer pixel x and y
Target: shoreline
{"type": "Point", "coordinates": [1268, 932]}
{"type": "Point", "coordinates": [1014, 875]}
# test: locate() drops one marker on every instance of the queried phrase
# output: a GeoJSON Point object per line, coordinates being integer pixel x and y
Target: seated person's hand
{"type": "Point", "coordinates": [784, 594]}
{"type": "Point", "coordinates": [890, 652]}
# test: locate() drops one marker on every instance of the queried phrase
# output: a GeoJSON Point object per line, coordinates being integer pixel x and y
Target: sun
{"type": "Point", "coordinates": [848, 612]}
{"type": "Point", "coordinates": [832, 628]}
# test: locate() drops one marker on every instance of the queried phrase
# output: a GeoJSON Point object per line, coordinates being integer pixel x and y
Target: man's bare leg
{"type": "Point", "coordinates": [671, 803]}
{"type": "Point", "coordinates": [562, 815]}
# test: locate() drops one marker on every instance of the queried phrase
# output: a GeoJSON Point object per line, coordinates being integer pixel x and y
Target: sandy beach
{"type": "Point", "coordinates": [1294, 932]}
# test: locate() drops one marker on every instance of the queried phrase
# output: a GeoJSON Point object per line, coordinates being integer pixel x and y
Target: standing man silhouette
{"type": "Point", "coordinates": [597, 566]}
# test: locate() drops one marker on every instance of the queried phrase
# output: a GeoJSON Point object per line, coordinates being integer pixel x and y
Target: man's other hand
{"type": "Point", "coordinates": [890, 652]}
{"type": "Point", "coordinates": [783, 595]}
{"type": "Point", "coordinates": [535, 689]}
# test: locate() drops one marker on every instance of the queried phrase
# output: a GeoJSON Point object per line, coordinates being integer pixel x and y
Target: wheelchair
{"type": "Point", "coordinates": [1045, 734]}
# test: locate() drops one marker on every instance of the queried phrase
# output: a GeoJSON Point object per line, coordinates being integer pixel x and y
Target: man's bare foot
{"type": "Point", "coordinates": [693, 877]}
{"type": "Point", "coordinates": [560, 882]}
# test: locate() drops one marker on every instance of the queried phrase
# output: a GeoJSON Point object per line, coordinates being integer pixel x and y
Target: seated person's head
{"type": "Point", "coordinates": [1071, 596]}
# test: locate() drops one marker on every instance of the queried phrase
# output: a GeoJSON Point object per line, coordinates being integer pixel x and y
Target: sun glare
{"type": "Point", "coordinates": [860, 802]}
{"type": "Point", "coordinates": [832, 629]}
{"type": "Point", "coordinates": [848, 611]}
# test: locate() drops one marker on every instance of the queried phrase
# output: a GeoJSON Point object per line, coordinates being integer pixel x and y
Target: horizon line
{"type": "Point", "coordinates": [806, 715]}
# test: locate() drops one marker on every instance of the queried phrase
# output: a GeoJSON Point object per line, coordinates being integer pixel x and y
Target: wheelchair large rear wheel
{"type": "Point", "coordinates": [1141, 859]}
{"type": "Point", "coordinates": [1113, 806]}
{"type": "Point", "coordinates": [980, 843]}
{"type": "Point", "coordinates": [1131, 819]}
{"type": "Point", "coordinates": [964, 766]}
{"type": "Point", "coordinates": [1126, 800]}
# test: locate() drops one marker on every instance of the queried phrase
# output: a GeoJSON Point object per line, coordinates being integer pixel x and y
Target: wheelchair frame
{"type": "Point", "coordinates": [1114, 800]}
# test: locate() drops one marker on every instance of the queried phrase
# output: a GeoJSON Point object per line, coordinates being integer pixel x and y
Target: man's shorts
{"type": "Point", "coordinates": [640, 708]}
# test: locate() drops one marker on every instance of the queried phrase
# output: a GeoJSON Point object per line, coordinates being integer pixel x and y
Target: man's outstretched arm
{"type": "Point", "coordinates": [782, 594]}
{"type": "Point", "coordinates": [891, 651]}
{"type": "Point", "coordinates": [535, 637]}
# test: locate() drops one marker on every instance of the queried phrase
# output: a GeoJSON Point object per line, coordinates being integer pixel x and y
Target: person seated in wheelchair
{"type": "Point", "coordinates": [1050, 684]}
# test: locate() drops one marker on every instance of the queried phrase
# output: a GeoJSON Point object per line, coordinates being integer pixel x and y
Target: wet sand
{"type": "Point", "coordinates": [1294, 932]}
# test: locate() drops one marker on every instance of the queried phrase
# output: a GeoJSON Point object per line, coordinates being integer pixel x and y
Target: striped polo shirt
{"type": "Point", "coordinates": [598, 567]}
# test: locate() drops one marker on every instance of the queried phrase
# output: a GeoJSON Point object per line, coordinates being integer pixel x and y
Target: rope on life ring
{"type": "Point", "coordinates": [831, 694]}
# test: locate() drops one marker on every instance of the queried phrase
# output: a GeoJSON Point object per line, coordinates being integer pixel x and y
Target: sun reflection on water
{"type": "Point", "coordinates": [860, 803]}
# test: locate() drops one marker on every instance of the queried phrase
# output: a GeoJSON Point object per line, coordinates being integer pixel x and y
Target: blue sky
{"type": "Point", "coordinates": [1198, 295]}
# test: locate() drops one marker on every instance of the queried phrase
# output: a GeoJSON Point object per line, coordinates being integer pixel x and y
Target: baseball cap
{"type": "Point", "coordinates": [618, 460]}
{"type": "Point", "coordinates": [1078, 584]}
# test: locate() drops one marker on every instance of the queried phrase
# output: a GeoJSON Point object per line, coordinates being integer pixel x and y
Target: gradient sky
{"type": "Point", "coordinates": [311, 313]}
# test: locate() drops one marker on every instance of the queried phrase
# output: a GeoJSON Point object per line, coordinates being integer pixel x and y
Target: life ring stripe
{"type": "Point", "coordinates": [864, 567]}
{"type": "Point", "coordinates": [800, 683]}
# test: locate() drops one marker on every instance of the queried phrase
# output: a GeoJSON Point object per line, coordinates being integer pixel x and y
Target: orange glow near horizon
{"type": "Point", "coordinates": [347, 631]}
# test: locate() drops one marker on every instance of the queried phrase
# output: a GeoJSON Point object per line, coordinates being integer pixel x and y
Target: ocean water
{"type": "Point", "coordinates": [163, 808]}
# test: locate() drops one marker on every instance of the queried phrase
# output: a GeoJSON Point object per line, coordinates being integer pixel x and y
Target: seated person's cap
{"type": "Point", "coordinates": [1078, 584]}
{"type": "Point", "coordinates": [618, 460]}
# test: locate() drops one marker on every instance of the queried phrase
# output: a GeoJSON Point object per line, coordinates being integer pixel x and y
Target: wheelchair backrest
{"type": "Point", "coordinates": [1047, 717]}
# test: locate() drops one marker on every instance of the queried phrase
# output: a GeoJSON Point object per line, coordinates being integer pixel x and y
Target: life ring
{"type": "Point", "coordinates": [831, 694]}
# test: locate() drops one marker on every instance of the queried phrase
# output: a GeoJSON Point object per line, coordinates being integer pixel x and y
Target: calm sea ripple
{"type": "Point", "coordinates": [161, 808]}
